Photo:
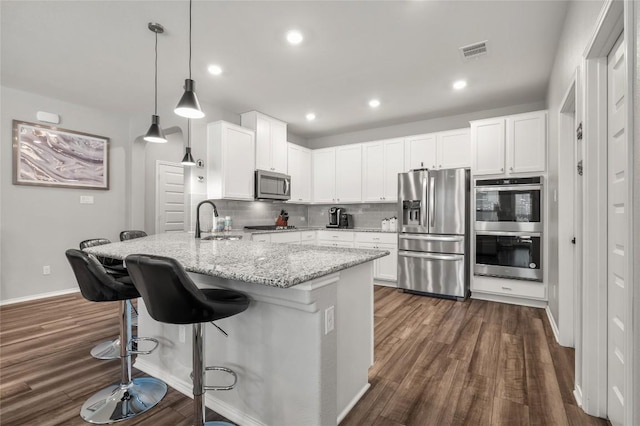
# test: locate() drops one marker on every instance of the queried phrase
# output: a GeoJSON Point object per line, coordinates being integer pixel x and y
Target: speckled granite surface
{"type": "Point", "coordinates": [276, 265]}
{"type": "Point", "coordinates": [314, 228]}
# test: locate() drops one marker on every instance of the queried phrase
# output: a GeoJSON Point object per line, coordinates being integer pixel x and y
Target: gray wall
{"type": "Point", "coordinates": [579, 26]}
{"type": "Point", "coordinates": [418, 127]}
{"type": "Point", "coordinates": [39, 223]}
{"type": "Point", "coordinates": [364, 215]}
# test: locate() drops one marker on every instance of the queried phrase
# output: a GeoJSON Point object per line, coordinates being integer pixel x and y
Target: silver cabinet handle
{"type": "Point", "coordinates": [511, 168]}
{"type": "Point", "coordinates": [431, 256]}
{"type": "Point", "coordinates": [502, 169]}
{"type": "Point", "coordinates": [440, 165]}
{"type": "Point", "coordinates": [432, 200]}
{"type": "Point", "coordinates": [433, 166]}
{"type": "Point", "coordinates": [506, 288]}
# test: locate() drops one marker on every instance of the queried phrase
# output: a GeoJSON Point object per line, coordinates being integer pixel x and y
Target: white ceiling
{"type": "Point", "coordinates": [100, 54]}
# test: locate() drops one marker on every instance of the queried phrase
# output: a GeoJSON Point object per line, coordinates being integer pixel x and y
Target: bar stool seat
{"type": "Point", "coordinates": [170, 296]}
{"type": "Point", "coordinates": [130, 397]}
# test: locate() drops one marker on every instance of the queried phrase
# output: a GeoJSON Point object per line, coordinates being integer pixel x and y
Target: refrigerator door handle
{"type": "Point", "coordinates": [432, 256]}
{"type": "Point", "coordinates": [423, 209]}
{"type": "Point", "coordinates": [432, 201]}
{"type": "Point", "coordinates": [438, 238]}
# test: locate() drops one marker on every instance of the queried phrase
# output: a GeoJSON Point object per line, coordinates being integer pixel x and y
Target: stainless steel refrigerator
{"type": "Point", "coordinates": [433, 232]}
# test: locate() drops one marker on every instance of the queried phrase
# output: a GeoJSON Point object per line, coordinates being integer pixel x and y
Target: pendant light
{"type": "Point", "coordinates": [187, 160]}
{"type": "Point", "coordinates": [189, 106]}
{"type": "Point", "coordinates": [155, 133]}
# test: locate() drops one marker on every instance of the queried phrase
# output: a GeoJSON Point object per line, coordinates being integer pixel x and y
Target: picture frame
{"type": "Point", "coordinates": [54, 157]}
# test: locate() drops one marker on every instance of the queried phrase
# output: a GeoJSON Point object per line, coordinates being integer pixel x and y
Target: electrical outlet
{"type": "Point", "coordinates": [182, 333]}
{"type": "Point", "coordinates": [46, 270]}
{"type": "Point", "coordinates": [86, 199]}
{"type": "Point", "coordinates": [329, 320]}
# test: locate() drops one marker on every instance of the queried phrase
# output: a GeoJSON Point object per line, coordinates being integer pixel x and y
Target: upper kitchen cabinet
{"type": "Point", "coordinates": [510, 145]}
{"type": "Point", "coordinates": [230, 171]}
{"type": "Point", "coordinates": [337, 174]}
{"type": "Point", "coordinates": [271, 140]}
{"type": "Point", "coordinates": [299, 168]}
{"type": "Point", "coordinates": [444, 150]}
{"type": "Point", "coordinates": [381, 163]}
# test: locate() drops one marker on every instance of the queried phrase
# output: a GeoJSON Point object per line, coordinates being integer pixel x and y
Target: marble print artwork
{"type": "Point", "coordinates": [60, 158]}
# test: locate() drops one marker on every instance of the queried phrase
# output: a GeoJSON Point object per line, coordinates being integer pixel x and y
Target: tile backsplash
{"type": "Point", "coordinates": [364, 215]}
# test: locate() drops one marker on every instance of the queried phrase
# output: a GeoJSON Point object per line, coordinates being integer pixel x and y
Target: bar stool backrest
{"type": "Point", "coordinates": [94, 242]}
{"type": "Point", "coordinates": [172, 297]}
{"type": "Point", "coordinates": [131, 235]}
{"type": "Point", "coordinates": [95, 283]}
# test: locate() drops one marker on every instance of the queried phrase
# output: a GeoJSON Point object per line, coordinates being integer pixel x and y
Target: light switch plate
{"type": "Point", "coordinates": [86, 199]}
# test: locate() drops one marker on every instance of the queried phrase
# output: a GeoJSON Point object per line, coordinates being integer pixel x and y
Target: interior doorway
{"type": "Point", "coordinates": [169, 197]}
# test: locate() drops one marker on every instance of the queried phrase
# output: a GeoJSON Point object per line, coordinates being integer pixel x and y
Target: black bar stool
{"type": "Point", "coordinates": [111, 348]}
{"type": "Point", "coordinates": [130, 397]}
{"type": "Point", "coordinates": [172, 297]}
{"type": "Point", "coordinates": [131, 235]}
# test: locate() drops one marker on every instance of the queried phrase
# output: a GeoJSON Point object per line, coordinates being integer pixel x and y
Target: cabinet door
{"type": "Point", "coordinates": [387, 267]}
{"type": "Point", "coordinates": [263, 143]}
{"type": "Point", "coordinates": [349, 173]}
{"type": "Point", "coordinates": [526, 142]}
{"type": "Point", "coordinates": [238, 169]}
{"type": "Point", "coordinates": [454, 149]}
{"type": "Point", "coordinates": [278, 147]}
{"type": "Point", "coordinates": [372, 167]}
{"type": "Point", "coordinates": [294, 170]}
{"type": "Point", "coordinates": [324, 175]}
{"type": "Point", "coordinates": [304, 173]}
{"type": "Point", "coordinates": [487, 144]}
{"type": "Point", "coordinates": [420, 152]}
{"type": "Point", "coordinates": [393, 164]}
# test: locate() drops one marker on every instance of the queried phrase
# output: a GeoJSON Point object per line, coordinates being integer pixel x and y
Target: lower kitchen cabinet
{"type": "Point", "coordinates": [261, 238]}
{"type": "Point", "coordinates": [286, 237]}
{"type": "Point", "coordinates": [385, 268]}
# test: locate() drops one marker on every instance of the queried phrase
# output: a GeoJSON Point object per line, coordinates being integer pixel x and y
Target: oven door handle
{"type": "Point", "coordinates": [432, 256]}
{"type": "Point", "coordinates": [508, 188]}
{"type": "Point", "coordinates": [510, 234]}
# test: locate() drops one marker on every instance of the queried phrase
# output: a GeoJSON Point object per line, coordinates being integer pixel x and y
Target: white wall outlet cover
{"type": "Point", "coordinates": [46, 270]}
{"type": "Point", "coordinates": [48, 117]}
{"type": "Point", "coordinates": [86, 199]}
{"type": "Point", "coordinates": [329, 320]}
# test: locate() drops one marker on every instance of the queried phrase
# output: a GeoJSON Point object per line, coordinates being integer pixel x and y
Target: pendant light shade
{"type": "Point", "coordinates": [155, 133]}
{"type": "Point", "coordinates": [187, 160]}
{"type": "Point", "coordinates": [188, 106]}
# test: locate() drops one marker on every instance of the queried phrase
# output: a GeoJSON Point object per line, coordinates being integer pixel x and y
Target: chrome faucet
{"type": "Point", "coordinates": [215, 214]}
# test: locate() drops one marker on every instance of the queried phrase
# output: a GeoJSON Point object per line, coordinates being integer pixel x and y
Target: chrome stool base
{"type": "Point", "coordinates": [123, 401]}
{"type": "Point", "coordinates": [107, 350]}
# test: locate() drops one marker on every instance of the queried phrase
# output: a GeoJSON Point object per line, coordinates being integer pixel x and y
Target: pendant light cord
{"type": "Point", "coordinates": [188, 133]}
{"type": "Point", "coordinates": [190, 4]}
{"type": "Point", "coordinates": [156, 78]}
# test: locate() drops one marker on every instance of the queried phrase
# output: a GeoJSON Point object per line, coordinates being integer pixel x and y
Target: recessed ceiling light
{"type": "Point", "coordinates": [215, 69]}
{"type": "Point", "coordinates": [374, 103]}
{"type": "Point", "coordinates": [311, 116]}
{"type": "Point", "coordinates": [460, 84]}
{"type": "Point", "coordinates": [294, 37]}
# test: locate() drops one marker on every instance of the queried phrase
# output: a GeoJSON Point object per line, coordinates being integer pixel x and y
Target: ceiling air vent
{"type": "Point", "coordinates": [474, 50]}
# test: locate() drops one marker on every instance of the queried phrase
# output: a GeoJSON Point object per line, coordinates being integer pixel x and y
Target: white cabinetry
{"type": "Point", "coordinates": [286, 237]}
{"type": "Point", "coordinates": [444, 150]}
{"type": "Point", "coordinates": [308, 237]}
{"type": "Point", "coordinates": [385, 268]}
{"type": "Point", "coordinates": [271, 141]}
{"type": "Point", "coordinates": [336, 238]}
{"type": "Point", "coordinates": [382, 161]}
{"type": "Point", "coordinates": [261, 238]}
{"type": "Point", "coordinates": [299, 168]}
{"type": "Point", "coordinates": [337, 174]}
{"type": "Point", "coordinates": [230, 172]}
{"type": "Point", "coordinates": [510, 145]}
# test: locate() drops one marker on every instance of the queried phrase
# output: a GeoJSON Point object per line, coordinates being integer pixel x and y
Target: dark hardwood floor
{"type": "Point", "coordinates": [438, 362]}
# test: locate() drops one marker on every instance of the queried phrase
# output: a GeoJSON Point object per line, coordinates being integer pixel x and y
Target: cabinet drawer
{"type": "Point", "coordinates": [376, 237]}
{"type": "Point", "coordinates": [341, 244]}
{"type": "Point", "coordinates": [336, 235]}
{"type": "Point", "coordinates": [516, 288]}
{"type": "Point", "coordinates": [261, 238]}
{"type": "Point", "coordinates": [285, 237]}
{"type": "Point", "coordinates": [308, 236]}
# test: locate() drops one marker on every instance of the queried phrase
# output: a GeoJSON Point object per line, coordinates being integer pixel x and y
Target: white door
{"type": "Point", "coordinates": [454, 149]}
{"type": "Point", "coordinates": [578, 201]}
{"type": "Point", "coordinates": [420, 152]}
{"type": "Point", "coordinates": [487, 143]}
{"type": "Point", "coordinates": [393, 164]}
{"type": "Point", "coordinates": [618, 314]}
{"type": "Point", "coordinates": [349, 173]}
{"type": "Point", "coordinates": [169, 197]}
{"type": "Point", "coordinates": [372, 168]}
{"type": "Point", "coordinates": [324, 175]}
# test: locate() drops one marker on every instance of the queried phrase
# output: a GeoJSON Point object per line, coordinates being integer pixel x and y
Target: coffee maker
{"type": "Point", "coordinates": [334, 217]}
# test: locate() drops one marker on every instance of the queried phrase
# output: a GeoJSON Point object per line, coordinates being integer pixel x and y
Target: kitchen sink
{"type": "Point", "coordinates": [222, 237]}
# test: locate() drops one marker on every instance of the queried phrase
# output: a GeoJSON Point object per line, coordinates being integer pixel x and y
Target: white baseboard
{"type": "Point", "coordinates": [381, 283]}
{"type": "Point", "coordinates": [353, 402]}
{"type": "Point", "coordinates": [554, 326]}
{"type": "Point", "coordinates": [39, 296]}
{"type": "Point", "coordinates": [186, 388]}
{"type": "Point", "coordinates": [508, 299]}
{"type": "Point", "coordinates": [577, 394]}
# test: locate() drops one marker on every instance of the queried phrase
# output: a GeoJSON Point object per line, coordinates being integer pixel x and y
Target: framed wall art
{"type": "Point", "coordinates": [50, 156]}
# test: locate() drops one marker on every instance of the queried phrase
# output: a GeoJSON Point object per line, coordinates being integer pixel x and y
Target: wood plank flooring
{"type": "Point", "coordinates": [438, 362]}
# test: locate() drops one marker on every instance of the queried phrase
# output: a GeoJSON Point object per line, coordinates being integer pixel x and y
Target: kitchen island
{"type": "Point", "coordinates": [303, 347]}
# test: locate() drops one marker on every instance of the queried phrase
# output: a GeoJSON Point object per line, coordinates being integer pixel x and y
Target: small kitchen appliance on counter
{"type": "Point", "coordinates": [346, 221]}
{"type": "Point", "coordinates": [334, 217]}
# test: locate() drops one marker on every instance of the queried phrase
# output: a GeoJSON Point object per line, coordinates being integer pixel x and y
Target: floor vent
{"type": "Point", "coordinates": [474, 50]}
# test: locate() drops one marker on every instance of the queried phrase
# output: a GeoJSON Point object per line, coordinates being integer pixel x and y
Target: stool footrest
{"type": "Point", "coordinates": [135, 340]}
{"type": "Point", "coordinates": [222, 388]}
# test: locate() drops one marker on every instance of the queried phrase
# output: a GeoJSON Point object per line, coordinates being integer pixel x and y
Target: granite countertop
{"type": "Point", "coordinates": [317, 228]}
{"type": "Point", "coordinates": [276, 265]}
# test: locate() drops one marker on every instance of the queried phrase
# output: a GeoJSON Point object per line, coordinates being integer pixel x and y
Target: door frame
{"type": "Point", "coordinates": [616, 18]}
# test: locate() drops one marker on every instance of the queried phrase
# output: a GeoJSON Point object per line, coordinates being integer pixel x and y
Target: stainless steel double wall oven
{"type": "Point", "coordinates": [509, 228]}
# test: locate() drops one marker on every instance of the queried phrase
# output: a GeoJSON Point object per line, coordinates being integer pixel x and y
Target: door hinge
{"type": "Point", "coordinates": [579, 167]}
{"type": "Point", "coordinates": [573, 240]}
{"type": "Point", "coordinates": [579, 132]}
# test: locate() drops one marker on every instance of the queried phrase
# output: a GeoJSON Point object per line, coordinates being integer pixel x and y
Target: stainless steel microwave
{"type": "Point", "coordinates": [272, 186]}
